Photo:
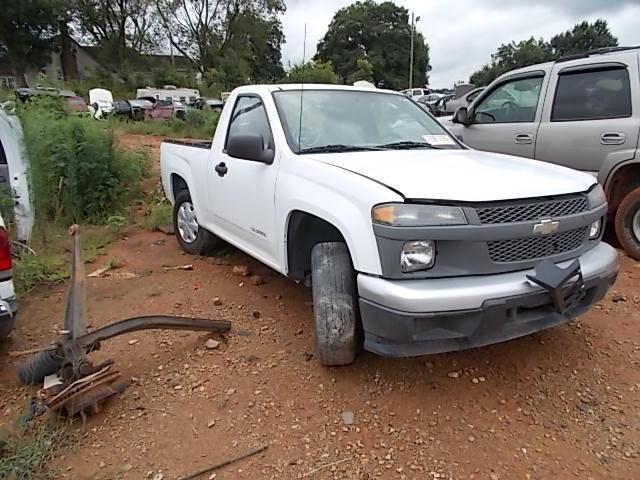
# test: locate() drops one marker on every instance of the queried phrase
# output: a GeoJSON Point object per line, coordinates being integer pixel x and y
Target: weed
{"type": "Point", "coordinates": [76, 172]}
{"type": "Point", "coordinates": [116, 223]}
{"type": "Point", "coordinates": [159, 215]}
{"type": "Point", "coordinates": [26, 454]}
{"type": "Point", "coordinates": [115, 262]}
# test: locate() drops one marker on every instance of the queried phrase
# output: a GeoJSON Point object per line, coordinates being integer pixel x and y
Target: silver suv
{"type": "Point", "coordinates": [582, 112]}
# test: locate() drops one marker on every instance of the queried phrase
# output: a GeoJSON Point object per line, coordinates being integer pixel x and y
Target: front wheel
{"type": "Point", "coordinates": [190, 235]}
{"type": "Point", "coordinates": [335, 304]}
{"type": "Point", "coordinates": [628, 223]}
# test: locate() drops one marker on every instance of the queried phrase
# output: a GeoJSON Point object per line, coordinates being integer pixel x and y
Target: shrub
{"type": "Point", "coordinates": [76, 172]}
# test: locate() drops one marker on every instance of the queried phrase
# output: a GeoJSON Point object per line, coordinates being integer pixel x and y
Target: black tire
{"type": "Point", "coordinates": [204, 241]}
{"type": "Point", "coordinates": [628, 211]}
{"type": "Point", "coordinates": [335, 304]}
{"type": "Point", "coordinates": [39, 366]}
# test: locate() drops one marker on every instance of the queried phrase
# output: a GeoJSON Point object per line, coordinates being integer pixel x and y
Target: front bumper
{"type": "Point", "coordinates": [418, 317]}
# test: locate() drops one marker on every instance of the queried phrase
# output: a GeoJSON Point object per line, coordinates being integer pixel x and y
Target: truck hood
{"type": "Point", "coordinates": [462, 175]}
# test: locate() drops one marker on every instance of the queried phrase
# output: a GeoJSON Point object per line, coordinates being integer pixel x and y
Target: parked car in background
{"type": "Point", "coordinates": [170, 93]}
{"type": "Point", "coordinates": [208, 103]}
{"type": "Point", "coordinates": [73, 102]}
{"type": "Point", "coordinates": [165, 109]}
{"type": "Point", "coordinates": [404, 234]}
{"type": "Point", "coordinates": [439, 106]}
{"type": "Point", "coordinates": [431, 98]}
{"type": "Point", "coordinates": [416, 92]}
{"type": "Point", "coordinates": [464, 100]}
{"type": "Point", "coordinates": [132, 109]}
{"type": "Point", "coordinates": [100, 102]}
{"type": "Point", "coordinates": [582, 112]}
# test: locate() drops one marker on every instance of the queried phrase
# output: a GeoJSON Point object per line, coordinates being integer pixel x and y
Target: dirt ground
{"type": "Point", "coordinates": [564, 403]}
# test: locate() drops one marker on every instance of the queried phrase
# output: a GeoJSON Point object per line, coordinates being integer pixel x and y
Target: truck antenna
{"type": "Point", "coordinates": [304, 54]}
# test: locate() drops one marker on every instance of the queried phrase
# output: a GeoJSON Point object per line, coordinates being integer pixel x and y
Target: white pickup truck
{"type": "Point", "coordinates": [412, 242]}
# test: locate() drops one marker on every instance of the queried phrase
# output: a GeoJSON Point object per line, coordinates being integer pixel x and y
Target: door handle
{"type": "Point", "coordinates": [221, 169]}
{"type": "Point", "coordinates": [524, 138]}
{"type": "Point", "coordinates": [612, 138]}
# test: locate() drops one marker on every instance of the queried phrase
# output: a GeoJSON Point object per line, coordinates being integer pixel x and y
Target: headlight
{"type": "Point", "coordinates": [596, 197]}
{"type": "Point", "coordinates": [594, 230]}
{"type": "Point", "coordinates": [413, 215]}
{"type": "Point", "coordinates": [416, 256]}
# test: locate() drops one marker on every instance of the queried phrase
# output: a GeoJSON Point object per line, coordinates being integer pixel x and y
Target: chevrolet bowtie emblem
{"type": "Point", "coordinates": [546, 227]}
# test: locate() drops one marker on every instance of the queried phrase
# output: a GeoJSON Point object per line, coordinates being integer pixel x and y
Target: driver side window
{"type": "Point", "coordinates": [250, 117]}
{"type": "Point", "coordinates": [511, 102]}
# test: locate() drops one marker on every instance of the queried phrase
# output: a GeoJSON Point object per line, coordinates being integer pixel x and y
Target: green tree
{"type": "Point", "coordinates": [583, 37]}
{"type": "Point", "coordinates": [116, 25]}
{"type": "Point", "coordinates": [379, 33]}
{"type": "Point", "coordinates": [511, 56]}
{"type": "Point", "coordinates": [27, 29]}
{"type": "Point", "coordinates": [215, 33]}
{"type": "Point", "coordinates": [364, 71]}
{"type": "Point", "coordinates": [312, 72]}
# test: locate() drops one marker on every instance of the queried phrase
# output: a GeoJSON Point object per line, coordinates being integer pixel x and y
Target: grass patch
{"type": "Point", "coordinates": [157, 215]}
{"type": "Point", "coordinates": [25, 455]}
{"type": "Point", "coordinates": [48, 261]}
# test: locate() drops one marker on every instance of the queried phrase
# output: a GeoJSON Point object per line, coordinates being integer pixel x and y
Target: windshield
{"type": "Point", "coordinates": [350, 120]}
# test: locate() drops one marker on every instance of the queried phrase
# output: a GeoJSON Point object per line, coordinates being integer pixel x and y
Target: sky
{"type": "Point", "coordinates": [462, 34]}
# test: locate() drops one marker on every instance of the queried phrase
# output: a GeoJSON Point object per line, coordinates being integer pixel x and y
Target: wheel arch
{"type": "Point", "coordinates": [178, 183]}
{"type": "Point", "coordinates": [304, 230]}
{"type": "Point", "coordinates": [623, 179]}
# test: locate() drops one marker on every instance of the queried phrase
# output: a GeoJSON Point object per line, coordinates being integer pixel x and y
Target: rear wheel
{"type": "Point", "coordinates": [191, 236]}
{"type": "Point", "coordinates": [335, 304]}
{"type": "Point", "coordinates": [627, 223]}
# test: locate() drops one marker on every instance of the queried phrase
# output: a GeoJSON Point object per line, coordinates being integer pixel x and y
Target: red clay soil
{"type": "Point", "coordinates": [564, 403]}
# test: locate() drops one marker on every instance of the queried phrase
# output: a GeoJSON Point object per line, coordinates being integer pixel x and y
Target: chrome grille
{"type": "Point", "coordinates": [525, 212]}
{"type": "Point", "coordinates": [531, 248]}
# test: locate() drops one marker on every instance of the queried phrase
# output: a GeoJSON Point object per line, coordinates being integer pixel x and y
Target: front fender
{"type": "Point", "coordinates": [340, 198]}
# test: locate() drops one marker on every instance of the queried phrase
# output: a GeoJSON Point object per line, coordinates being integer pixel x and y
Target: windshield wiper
{"type": "Point", "coordinates": [406, 145]}
{"type": "Point", "coordinates": [338, 148]}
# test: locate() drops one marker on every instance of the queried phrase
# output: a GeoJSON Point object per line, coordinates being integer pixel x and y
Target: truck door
{"type": "Point", "coordinates": [506, 118]}
{"type": "Point", "coordinates": [589, 117]}
{"type": "Point", "coordinates": [242, 192]}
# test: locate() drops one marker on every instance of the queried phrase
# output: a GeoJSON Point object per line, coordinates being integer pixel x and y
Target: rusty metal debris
{"type": "Point", "coordinates": [83, 386]}
{"type": "Point", "coordinates": [225, 462]}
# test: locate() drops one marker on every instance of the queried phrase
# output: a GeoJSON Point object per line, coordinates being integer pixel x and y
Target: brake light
{"type": "Point", "coordinates": [5, 250]}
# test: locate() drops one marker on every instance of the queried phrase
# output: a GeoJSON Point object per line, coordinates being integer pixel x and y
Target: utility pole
{"type": "Point", "coordinates": [413, 26]}
{"type": "Point", "coordinates": [414, 20]}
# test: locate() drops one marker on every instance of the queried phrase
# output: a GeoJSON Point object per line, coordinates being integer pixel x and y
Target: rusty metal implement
{"type": "Point", "coordinates": [83, 386]}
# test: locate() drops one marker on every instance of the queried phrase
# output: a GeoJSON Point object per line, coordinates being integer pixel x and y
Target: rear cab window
{"type": "Point", "coordinates": [592, 94]}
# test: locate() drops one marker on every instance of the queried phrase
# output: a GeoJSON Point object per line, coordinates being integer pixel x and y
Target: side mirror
{"type": "Point", "coordinates": [250, 147]}
{"type": "Point", "coordinates": [461, 116]}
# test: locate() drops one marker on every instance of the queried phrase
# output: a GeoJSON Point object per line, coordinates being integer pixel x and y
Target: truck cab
{"type": "Point", "coordinates": [581, 112]}
{"type": "Point", "coordinates": [412, 242]}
